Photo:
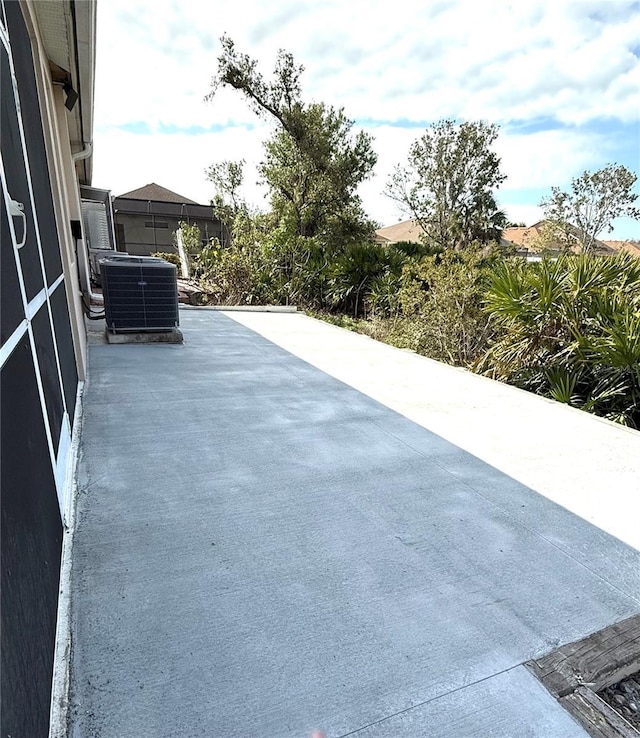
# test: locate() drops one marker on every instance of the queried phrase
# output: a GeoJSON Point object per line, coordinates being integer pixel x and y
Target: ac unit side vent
{"type": "Point", "coordinates": [140, 294]}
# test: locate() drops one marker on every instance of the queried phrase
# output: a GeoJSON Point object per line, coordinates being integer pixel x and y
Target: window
{"type": "Point", "coordinates": [156, 224]}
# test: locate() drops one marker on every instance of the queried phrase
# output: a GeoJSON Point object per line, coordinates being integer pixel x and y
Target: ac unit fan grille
{"type": "Point", "coordinates": [139, 297]}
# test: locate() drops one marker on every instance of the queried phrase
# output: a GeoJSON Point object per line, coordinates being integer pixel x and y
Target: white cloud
{"type": "Point", "coordinates": [415, 60]}
{"type": "Point", "coordinates": [527, 214]}
{"type": "Point", "coordinates": [539, 160]}
{"type": "Point", "coordinates": [125, 161]}
{"type": "Point", "coordinates": [569, 61]}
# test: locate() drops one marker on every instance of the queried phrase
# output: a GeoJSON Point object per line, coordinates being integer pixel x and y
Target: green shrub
{"type": "Point", "coordinates": [413, 249]}
{"type": "Point", "coordinates": [441, 312]}
{"type": "Point", "coordinates": [191, 237]}
{"type": "Point", "coordinates": [294, 271]}
{"type": "Point", "coordinates": [171, 258]}
{"type": "Point", "coordinates": [229, 276]}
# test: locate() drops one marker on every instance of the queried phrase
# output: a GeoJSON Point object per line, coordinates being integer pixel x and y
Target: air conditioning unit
{"type": "Point", "coordinates": [95, 255]}
{"type": "Point", "coordinates": [140, 294]}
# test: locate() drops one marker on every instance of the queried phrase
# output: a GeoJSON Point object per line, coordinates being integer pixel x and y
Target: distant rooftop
{"type": "Point", "coordinates": [408, 230]}
{"type": "Point", "coordinates": [524, 236]}
{"type": "Point", "coordinates": [632, 247]}
{"type": "Point", "coordinates": [521, 236]}
{"type": "Point", "coordinates": [153, 191]}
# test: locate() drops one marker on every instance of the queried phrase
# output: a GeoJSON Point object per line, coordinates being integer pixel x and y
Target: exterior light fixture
{"type": "Point", "coordinates": [72, 96]}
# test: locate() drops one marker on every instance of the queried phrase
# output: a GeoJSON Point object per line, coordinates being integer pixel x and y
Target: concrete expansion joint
{"type": "Point", "coordinates": [435, 698]}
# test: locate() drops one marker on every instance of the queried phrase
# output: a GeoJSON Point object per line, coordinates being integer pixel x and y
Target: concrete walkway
{"type": "Point", "coordinates": [263, 550]}
{"type": "Point", "coordinates": [569, 456]}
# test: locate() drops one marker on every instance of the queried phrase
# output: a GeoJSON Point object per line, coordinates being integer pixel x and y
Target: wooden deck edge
{"type": "Point", "coordinates": [596, 716]}
{"type": "Point", "coordinates": [575, 672]}
{"type": "Point", "coordinates": [601, 659]}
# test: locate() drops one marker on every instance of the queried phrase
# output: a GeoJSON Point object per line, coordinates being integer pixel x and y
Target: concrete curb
{"type": "Point", "coordinates": [61, 680]}
{"type": "Point", "coordinates": [246, 308]}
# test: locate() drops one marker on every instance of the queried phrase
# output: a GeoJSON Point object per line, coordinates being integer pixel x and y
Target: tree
{"type": "Point", "coordinates": [595, 200]}
{"type": "Point", "coordinates": [314, 185]}
{"type": "Point", "coordinates": [313, 163]}
{"type": "Point", "coordinates": [447, 185]}
{"type": "Point", "coordinates": [227, 177]}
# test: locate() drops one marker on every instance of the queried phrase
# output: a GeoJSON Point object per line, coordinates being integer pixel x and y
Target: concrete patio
{"type": "Point", "coordinates": [285, 527]}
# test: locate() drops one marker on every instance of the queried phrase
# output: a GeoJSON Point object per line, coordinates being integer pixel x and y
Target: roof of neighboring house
{"type": "Point", "coordinates": [523, 236]}
{"type": "Point", "coordinates": [632, 247]}
{"type": "Point", "coordinates": [408, 230]}
{"type": "Point", "coordinates": [155, 192]}
{"type": "Point", "coordinates": [527, 237]}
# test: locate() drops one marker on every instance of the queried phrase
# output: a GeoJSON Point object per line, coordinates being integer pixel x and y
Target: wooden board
{"type": "Point", "coordinates": [596, 716]}
{"type": "Point", "coordinates": [575, 672]}
{"type": "Point", "coordinates": [595, 662]}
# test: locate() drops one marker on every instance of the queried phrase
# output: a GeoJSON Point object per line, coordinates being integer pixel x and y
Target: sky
{"type": "Point", "coordinates": [561, 79]}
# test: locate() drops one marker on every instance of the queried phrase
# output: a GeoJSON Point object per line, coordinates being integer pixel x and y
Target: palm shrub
{"type": "Point", "coordinates": [569, 329]}
{"type": "Point", "coordinates": [295, 269]}
{"type": "Point", "coordinates": [364, 278]}
{"type": "Point", "coordinates": [383, 298]}
{"type": "Point", "coordinates": [415, 249]}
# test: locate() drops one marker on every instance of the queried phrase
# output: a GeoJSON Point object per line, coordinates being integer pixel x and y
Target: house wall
{"type": "Point", "coordinates": [136, 237]}
{"type": "Point", "coordinates": [66, 198]}
{"type": "Point", "coordinates": [63, 179]}
{"type": "Point", "coordinates": [143, 233]}
{"type": "Point", "coordinates": [42, 359]}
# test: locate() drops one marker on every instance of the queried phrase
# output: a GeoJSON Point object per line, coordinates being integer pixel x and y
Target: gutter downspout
{"type": "Point", "coordinates": [84, 154]}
